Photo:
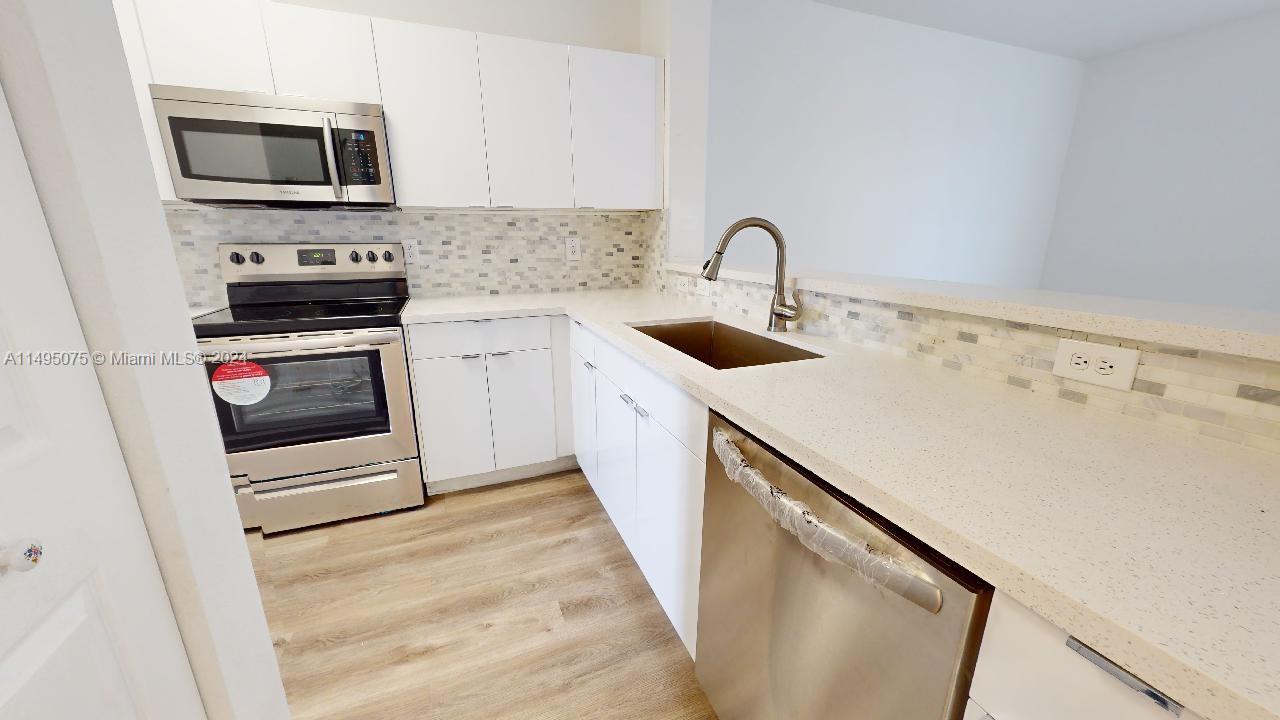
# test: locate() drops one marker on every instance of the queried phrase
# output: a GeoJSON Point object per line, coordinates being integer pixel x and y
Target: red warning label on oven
{"type": "Point", "coordinates": [241, 382]}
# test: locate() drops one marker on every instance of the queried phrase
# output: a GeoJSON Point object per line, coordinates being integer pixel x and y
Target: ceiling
{"type": "Point", "coordinates": [1083, 29]}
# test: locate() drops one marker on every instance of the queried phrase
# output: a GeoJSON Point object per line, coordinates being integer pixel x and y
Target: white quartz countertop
{"type": "Point", "coordinates": [1161, 549]}
{"type": "Point", "coordinates": [1235, 331]}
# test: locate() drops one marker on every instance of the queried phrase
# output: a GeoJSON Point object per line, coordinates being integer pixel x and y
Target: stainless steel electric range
{"type": "Point", "coordinates": [308, 375]}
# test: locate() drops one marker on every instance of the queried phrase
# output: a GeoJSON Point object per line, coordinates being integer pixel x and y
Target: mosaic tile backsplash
{"type": "Point", "coordinates": [1228, 397]}
{"type": "Point", "coordinates": [460, 253]}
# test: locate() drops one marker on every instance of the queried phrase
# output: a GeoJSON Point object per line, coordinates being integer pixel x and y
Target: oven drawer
{"type": "Point", "coordinates": [325, 497]}
{"type": "Point", "coordinates": [476, 337]}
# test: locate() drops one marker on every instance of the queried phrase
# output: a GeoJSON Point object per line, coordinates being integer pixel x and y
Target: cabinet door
{"type": "Point", "coordinates": [320, 54]}
{"type": "Point", "coordinates": [669, 483]}
{"type": "Point", "coordinates": [526, 119]}
{"type": "Point", "coordinates": [452, 400]}
{"type": "Point", "coordinates": [523, 405]}
{"type": "Point", "coordinates": [431, 105]}
{"type": "Point", "coordinates": [615, 101]}
{"type": "Point", "coordinates": [217, 45]}
{"type": "Point", "coordinates": [616, 457]}
{"type": "Point", "coordinates": [583, 386]}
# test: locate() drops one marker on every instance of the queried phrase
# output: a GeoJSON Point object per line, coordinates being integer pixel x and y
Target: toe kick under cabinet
{"type": "Point", "coordinates": [641, 441]}
{"type": "Point", "coordinates": [485, 398]}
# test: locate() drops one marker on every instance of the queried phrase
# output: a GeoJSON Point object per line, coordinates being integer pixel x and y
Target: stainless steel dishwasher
{"type": "Point", "coordinates": [812, 607]}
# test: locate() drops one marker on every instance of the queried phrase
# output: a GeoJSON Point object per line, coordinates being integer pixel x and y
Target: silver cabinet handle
{"type": "Point", "coordinates": [627, 399]}
{"type": "Point", "coordinates": [470, 357]}
{"type": "Point", "coordinates": [824, 540]}
{"type": "Point", "coordinates": [500, 354]}
{"type": "Point", "coordinates": [642, 412]}
{"type": "Point", "coordinates": [331, 159]}
{"type": "Point", "coordinates": [21, 556]}
{"type": "Point", "coordinates": [588, 366]}
{"type": "Point", "coordinates": [1134, 683]}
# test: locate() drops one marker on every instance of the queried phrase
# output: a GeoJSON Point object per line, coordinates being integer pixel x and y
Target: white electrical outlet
{"type": "Point", "coordinates": [1106, 365]}
{"type": "Point", "coordinates": [572, 249]}
{"type": "Point", "coordinates": [411, 253]}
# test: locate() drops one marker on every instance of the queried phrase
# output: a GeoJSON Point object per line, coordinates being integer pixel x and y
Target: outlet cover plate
{"type": "Point", "coordinates": [573, 249]}
{"type": "Point", "coordinates": [411, 253]}
{"type": "Point", "coordinates": [1105, 365]}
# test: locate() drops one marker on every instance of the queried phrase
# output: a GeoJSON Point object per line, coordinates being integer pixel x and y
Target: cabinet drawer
{"type": "Point", "coordinates": [473, 337]}
{"type": "Point", "coordinates": [582, 341]}
{"type": "Point", "coordinates": [1026, 669]}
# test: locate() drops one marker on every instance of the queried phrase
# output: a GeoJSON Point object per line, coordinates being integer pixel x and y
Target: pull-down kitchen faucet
{"type": "Point", "coordinates": [780, 311]}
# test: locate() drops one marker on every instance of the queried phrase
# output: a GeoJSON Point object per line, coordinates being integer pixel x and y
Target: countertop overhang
{"type": "Point", "coordinates": [1159, 548]}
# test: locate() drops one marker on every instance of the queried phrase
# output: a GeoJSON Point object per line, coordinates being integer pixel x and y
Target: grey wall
{"type": "Point", "coordinates": [1172, 183]}
{"type": "Point", "coordinates": [881, 147]}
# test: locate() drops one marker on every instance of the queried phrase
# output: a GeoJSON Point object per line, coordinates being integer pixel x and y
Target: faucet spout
{"type": "Point", "coordinates": [780, 311]}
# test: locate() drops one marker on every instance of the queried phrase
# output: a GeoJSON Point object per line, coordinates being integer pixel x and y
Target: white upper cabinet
{"type": "Point", "coordinates": [205, 44]}
{"type": "Point", "coordinates": [320, 54]}
{"type": "Point", "coordinates": [615, 102]}
{"type": "Point", "coordinates": [526, 119]}
{"type": "Point", "coordinates": [432, 108]}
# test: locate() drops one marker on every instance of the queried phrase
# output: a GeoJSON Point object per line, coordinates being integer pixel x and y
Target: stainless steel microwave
{"type": "Point", "coordinates": [243, 147]}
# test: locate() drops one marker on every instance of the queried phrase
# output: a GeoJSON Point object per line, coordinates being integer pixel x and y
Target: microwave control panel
{"type": "Point", "coordinates": [359, 151]}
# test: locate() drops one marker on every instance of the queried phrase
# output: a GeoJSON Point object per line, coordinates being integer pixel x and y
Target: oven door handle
{"type": "Point", "coordinates": [295, 347]}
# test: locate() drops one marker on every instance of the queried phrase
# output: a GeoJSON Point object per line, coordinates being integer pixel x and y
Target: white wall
{"type": "Point", "coordinates": [1172, 184]}
{"type": "Point", "coordinates": [688, 68]}
{"type": "Point", "coordinates": [624, 25]}
{"type": "Point", "coordinates": [881, 147]}
{"type": "Point", "coordinates": [68, 85]}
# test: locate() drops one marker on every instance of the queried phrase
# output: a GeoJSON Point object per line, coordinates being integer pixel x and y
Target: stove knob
{"type": "Point", "coordinates": [371, 256]}
{"type": "Point", "coordinates": [256, 258]}
{"type": "Point", "coordinates": [355, 256]}
{"type": "Point", "coordinates": [236, 258]}
{"type": "Point", "coordinates": [388, 256]}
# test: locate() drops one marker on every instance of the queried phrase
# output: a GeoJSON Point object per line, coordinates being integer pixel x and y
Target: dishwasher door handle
{"type": "Point", "coordinates": [824, 540]}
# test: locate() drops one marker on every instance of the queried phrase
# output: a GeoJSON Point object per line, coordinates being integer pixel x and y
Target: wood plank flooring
{"type": "Point", "coordinates": [518, 601]}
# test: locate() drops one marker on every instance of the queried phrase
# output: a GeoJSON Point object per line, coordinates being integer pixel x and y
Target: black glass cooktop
{"type": "Point", "coordinates": [272, 318]}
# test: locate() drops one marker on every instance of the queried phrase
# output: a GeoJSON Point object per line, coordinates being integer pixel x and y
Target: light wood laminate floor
{"type": "Point", "coordinates": [518, 601]}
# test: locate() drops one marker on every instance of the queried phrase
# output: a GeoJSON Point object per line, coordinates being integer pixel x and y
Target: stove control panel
{"type": "Point", "coordinates": [284, 262]}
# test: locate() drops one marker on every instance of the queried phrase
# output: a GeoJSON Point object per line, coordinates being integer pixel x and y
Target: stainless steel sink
{"type": "Point", "coordinates": [723, 346]}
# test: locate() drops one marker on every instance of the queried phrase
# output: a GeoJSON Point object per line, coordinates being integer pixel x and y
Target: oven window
{"type": "Point", "coordinates": [312, 398]}
{"type": "Point", "coordinates": [247, 152]}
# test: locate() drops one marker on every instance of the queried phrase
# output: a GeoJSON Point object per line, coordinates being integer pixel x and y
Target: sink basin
{"type": "Point", "coordinates": [723, 346]}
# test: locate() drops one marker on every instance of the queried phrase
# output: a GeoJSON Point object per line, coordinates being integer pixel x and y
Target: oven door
{"type": "Point", "coordinates": [335, 400]}
{"type": "Point", "coordinates": [238, 152]}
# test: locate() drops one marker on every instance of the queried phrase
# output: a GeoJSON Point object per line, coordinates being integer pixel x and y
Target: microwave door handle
{"type": "Point", "coordinates": [330, 156]}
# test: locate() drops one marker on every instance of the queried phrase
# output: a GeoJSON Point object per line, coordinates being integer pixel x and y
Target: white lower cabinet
{"type": "Point", "coordinates": [1030, 668]}
{"type": "Point", "coordinates": [522, 405]}
{"type": "Point", "coordinates": [669, 484]}
{"type": "Point", "coordinates": [485, 397]}
{"type": "Point", "coordinates": [582, 384]}
{"type": "Point", "coordinates": [640, 465]}
{"type": "Point", "coordinates": [452, 398]}
{"type": "Point", "coordinates": [616, 457]}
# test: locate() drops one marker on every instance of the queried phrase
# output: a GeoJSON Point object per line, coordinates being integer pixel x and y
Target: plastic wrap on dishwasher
{"type": "Point", "coordinates": [798, 519]}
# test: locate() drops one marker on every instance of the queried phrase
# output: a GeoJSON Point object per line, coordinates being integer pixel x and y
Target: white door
{"type": "Point", "coordinates": [320, 53]}
{"type": "Point", "coordinates": [583, 386]}
{"type": "Point", "coordinates": [88, 631]}
{"type": "Point", "coordinates": [452, 399]}
{"type": "Point", "coordinates": [431, 104]}
{"type": "Point", "coordinates": [526, 120]}
{"type": "Point", "coordinates": [615, 101]}
{"type": "Point", "coordinates": [523, 405]}
{"type": "Point", "coordinates": [616, 457]}
{"type": "Point", "coordinates": [205, 44]}
{"type": "Point", "coordinates": [669, 482]}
